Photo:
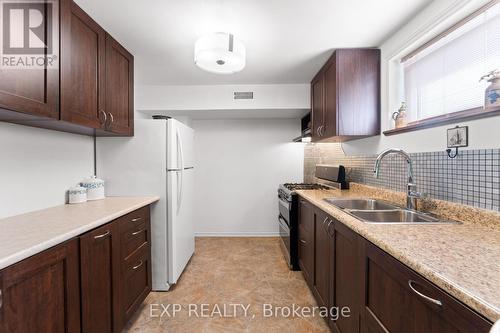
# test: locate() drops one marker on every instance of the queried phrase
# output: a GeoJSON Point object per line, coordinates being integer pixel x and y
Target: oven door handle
{"type": "Point", "coordinates": [284, 203]}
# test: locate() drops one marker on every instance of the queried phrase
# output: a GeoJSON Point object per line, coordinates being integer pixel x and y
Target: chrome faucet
{"type": "Point", "coordinates": [411, 188]}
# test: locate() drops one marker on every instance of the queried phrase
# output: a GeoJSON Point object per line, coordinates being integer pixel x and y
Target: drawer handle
{"type": "Point", "coordinates": [136, 219]}
{"type": "Point", "coordinates": [102, 236]}
{"type": "Point", "coordinates": [303, 241]}
{"type": "Point", "coordinates": [138, 232]}
{"type": "Point", "coordinates": [137, 266]}
{"type": "Point", "coordinates": [427, 298]}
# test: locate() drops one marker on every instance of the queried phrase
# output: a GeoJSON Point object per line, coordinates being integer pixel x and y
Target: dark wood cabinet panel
{"type": "Point", "coordinates": [322, 259]}
{"type": "Point", "coordinates": [396, 299]}
{"type": "Point", "coordinates": [330, 113]}
{"type": "Point", "coordinates": [318, 106]}
{"type": "Point", "coordinates": [32, 91]}
{"type": "Point", "coordinates": [345, 96]}
{"type": "Point", "coordinates": [99, 261]}
{"type": "Point", "coordinates": [42, 293]}
{"type": "Point", "coordinates": [83, 51]}
{"type": "Point", "coordinates": [346, 277]}
{"type": "Point", "coordinates": [306, 240]}
{"type": "Point", "coordinates": [119, 88]}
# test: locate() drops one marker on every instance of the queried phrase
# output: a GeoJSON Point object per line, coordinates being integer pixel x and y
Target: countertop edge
{"type": "Point", "coordinates": [488, 311]}
{"type": "Point", "coordinates": [38, 248]}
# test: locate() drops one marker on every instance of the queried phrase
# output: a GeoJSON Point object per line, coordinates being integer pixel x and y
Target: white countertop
{"type": "Point", "coordinates": [22, 236]}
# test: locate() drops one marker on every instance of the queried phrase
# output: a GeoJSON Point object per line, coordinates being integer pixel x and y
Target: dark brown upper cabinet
{"type": "Point", "coordinates": [83, 69]}
{"type": "Point", "coordinates": [90, 91]}
{"type": "Point", "coordinates": [345, 96]}
{"type": "Point", "coordinates": [119, 88]}
{"type": "Point", "coordinates": [31, 93]}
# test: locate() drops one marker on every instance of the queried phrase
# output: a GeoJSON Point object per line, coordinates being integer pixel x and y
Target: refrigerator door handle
{"type": "Point", "coordinates": [180, 173]}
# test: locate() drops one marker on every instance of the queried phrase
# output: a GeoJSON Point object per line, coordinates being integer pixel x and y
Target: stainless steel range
{"type": "Point", "coordinates": [288, 219]}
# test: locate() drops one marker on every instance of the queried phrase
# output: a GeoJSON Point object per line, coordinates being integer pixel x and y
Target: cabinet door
{"type": "Point", "coordinates": [99, 275]}
{"type": "Point", "coordinates": [306, 240]}
{"type": "Point", "coordinates": [318, 106]}
{"type": "Point", "coordinates": [396, 299]}
{"type": "Point", "coordinates": [33, 91]}
{"type": "Point", "coordinates": [322, 259]}
{"type": "Point", "coordinates": [346, 277]}
{"type": "Point", "coordinates": [82, 68]}
{"type": "Point", "coordinates": [119, 88]}
{"type": "Point", "coordinates": [330, 113]}
{"type": "Point", "coordinates": [42, 293]}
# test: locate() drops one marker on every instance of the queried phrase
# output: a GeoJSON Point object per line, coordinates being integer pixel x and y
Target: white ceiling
{"type": "Point", "coordinates": [287, 41]}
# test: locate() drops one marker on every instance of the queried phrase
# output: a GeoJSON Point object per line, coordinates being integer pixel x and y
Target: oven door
{"type": "Point", "coordinates": [284, 230]}
{"type": "Point", "coordinates": [284, 208]}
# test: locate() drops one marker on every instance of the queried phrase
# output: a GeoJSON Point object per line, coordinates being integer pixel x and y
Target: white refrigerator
{"type": "Point", "coordinates": [158, 160]}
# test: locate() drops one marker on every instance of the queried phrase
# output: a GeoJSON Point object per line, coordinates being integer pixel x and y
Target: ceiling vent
{"type": "Point", "coordinates": [243, 95]}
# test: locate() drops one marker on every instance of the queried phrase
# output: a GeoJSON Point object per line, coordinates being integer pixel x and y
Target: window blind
{"type": "Point", "coordinates": [444, 77]}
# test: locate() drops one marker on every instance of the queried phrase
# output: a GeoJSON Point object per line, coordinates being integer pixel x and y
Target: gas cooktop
{"type": "Point", "coordinates": [304, 186]}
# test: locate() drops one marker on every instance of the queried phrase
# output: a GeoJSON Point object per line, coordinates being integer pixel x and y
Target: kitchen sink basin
{"type": "Point", "coordinates": [361, 204]}
{"type": "Point", "coordinates": [402, 216]}
{"type": "Point", "coordinates": [382, 212]}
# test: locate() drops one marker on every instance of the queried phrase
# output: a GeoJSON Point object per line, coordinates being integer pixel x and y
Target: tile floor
{"type": "Point", "coordinates": [226, 271]}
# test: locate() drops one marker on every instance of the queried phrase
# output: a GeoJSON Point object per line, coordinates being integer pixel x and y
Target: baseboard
{"type": "Point", "coordinates": [237, 234]}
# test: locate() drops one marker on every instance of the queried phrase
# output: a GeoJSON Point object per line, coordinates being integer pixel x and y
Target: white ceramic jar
{"type": "Point", "coordinates": [77, 194]}
{"type": "Point", "coordinates": [95, 188]}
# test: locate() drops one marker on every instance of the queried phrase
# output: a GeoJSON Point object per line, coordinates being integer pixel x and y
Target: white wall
{"type": "Point", "coordinates": [239, 165]}
{"type": "Point", "coordinates": [37, 166]}
{"type": "Point", "coordinates": [203, 100]}
{"type": "Point", "coordinates": [483, 133]}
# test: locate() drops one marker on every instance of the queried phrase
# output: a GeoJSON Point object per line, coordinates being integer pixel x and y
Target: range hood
{"type": "Point", "coordinates": [306, 135]}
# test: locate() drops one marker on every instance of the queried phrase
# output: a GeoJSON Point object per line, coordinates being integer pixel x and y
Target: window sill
{"type": "Point", "coordinates": [450, 118]}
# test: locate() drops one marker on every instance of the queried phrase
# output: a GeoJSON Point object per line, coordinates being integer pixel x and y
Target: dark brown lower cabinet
{"type": "Point", "coordinates": [306, 241]}
{"type": "Point", "coordinates": [345, 277]}
{"type": "Point", "coordinates": [383, 295]}
{"type": "Point", "coordinates": [107, 270]}
{"type": "Point", "coordinates": [396, 299]}
{"type": "Point", "coordinates": [42, 293]}
{"type": "Point", "coordinates": [99, 261]}
{"type": "Point", "coordinates": [322, 259]}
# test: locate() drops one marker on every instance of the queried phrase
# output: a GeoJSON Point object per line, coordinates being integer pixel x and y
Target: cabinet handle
{"type": "Point", "coordinates": [427, 298]}
{"type": "Point", "coordinates": [105, 117]}
{"type": "Point", "coordinates": [111, 119]}
{"type": "Point", "coordinates": [136, 219]}
{"type": "Point", "coordinates": [137, 266]}
{"type": "Point", "coordinates": [1, 299]}
{"type": "Point", "coordinates": [324, 222]}
{"type": "Point", "coordinates": [102, 236]}
{"type": "Point", "coordinates": [138, 232]}
{"type": "Point", "coordinates": [303, 241]}
{"type": "Point", "coordinates": [328, 229]}
{"type": "Point", "coordinates": [322, 130]}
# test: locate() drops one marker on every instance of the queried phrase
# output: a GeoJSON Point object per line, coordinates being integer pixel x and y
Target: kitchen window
{"type": "Point", "coordinates": [441, 78]}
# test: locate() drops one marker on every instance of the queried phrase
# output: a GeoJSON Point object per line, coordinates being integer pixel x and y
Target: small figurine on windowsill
{"type": "Point", "coordinates": [492, 93]}
{"type": "Point", "coordinates": [400, 116]}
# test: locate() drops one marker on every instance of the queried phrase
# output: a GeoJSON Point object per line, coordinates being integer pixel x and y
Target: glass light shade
{"type": "Point", "coordinates": [220, 53]}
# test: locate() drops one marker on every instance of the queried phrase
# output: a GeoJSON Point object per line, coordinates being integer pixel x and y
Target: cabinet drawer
{"type": "Point", "coordinates": [134, 219]}
{"type": "Point", "coordinates": [136, 280]}
{"type": "Point", "coordinates": [133, 239]}
{"type": "Point", "coordinates": [398, 298]}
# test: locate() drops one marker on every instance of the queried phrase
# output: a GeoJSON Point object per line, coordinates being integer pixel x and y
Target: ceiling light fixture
{"type": "Point", "coordinates": [220, 53]}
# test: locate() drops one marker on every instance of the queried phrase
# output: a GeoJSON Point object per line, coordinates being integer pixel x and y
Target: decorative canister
{"type": "Point", "coordinates": [400, 116]}
{"type": "Point", "coordinates": [95, 188]}
{"type": "Point", "coordinates": [77, 194]}
{"type": "Point", "coordinates": [492, 93]}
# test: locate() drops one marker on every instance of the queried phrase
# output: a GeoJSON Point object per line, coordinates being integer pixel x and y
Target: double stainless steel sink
{"type": "Point", "coordinates": [382, 212]}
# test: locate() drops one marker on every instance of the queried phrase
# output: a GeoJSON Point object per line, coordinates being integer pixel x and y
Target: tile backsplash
{"type": "Point", "coordinates": [473, 178]}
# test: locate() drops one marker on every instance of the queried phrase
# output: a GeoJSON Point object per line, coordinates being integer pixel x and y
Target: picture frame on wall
{"type": "Point", "coordinates": [458, 137]}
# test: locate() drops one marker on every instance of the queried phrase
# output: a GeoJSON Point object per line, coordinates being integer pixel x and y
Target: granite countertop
{"type": "Point", "coordinates": [24, 235]}
{"type": "Point", "coordinates": [461, 259]}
